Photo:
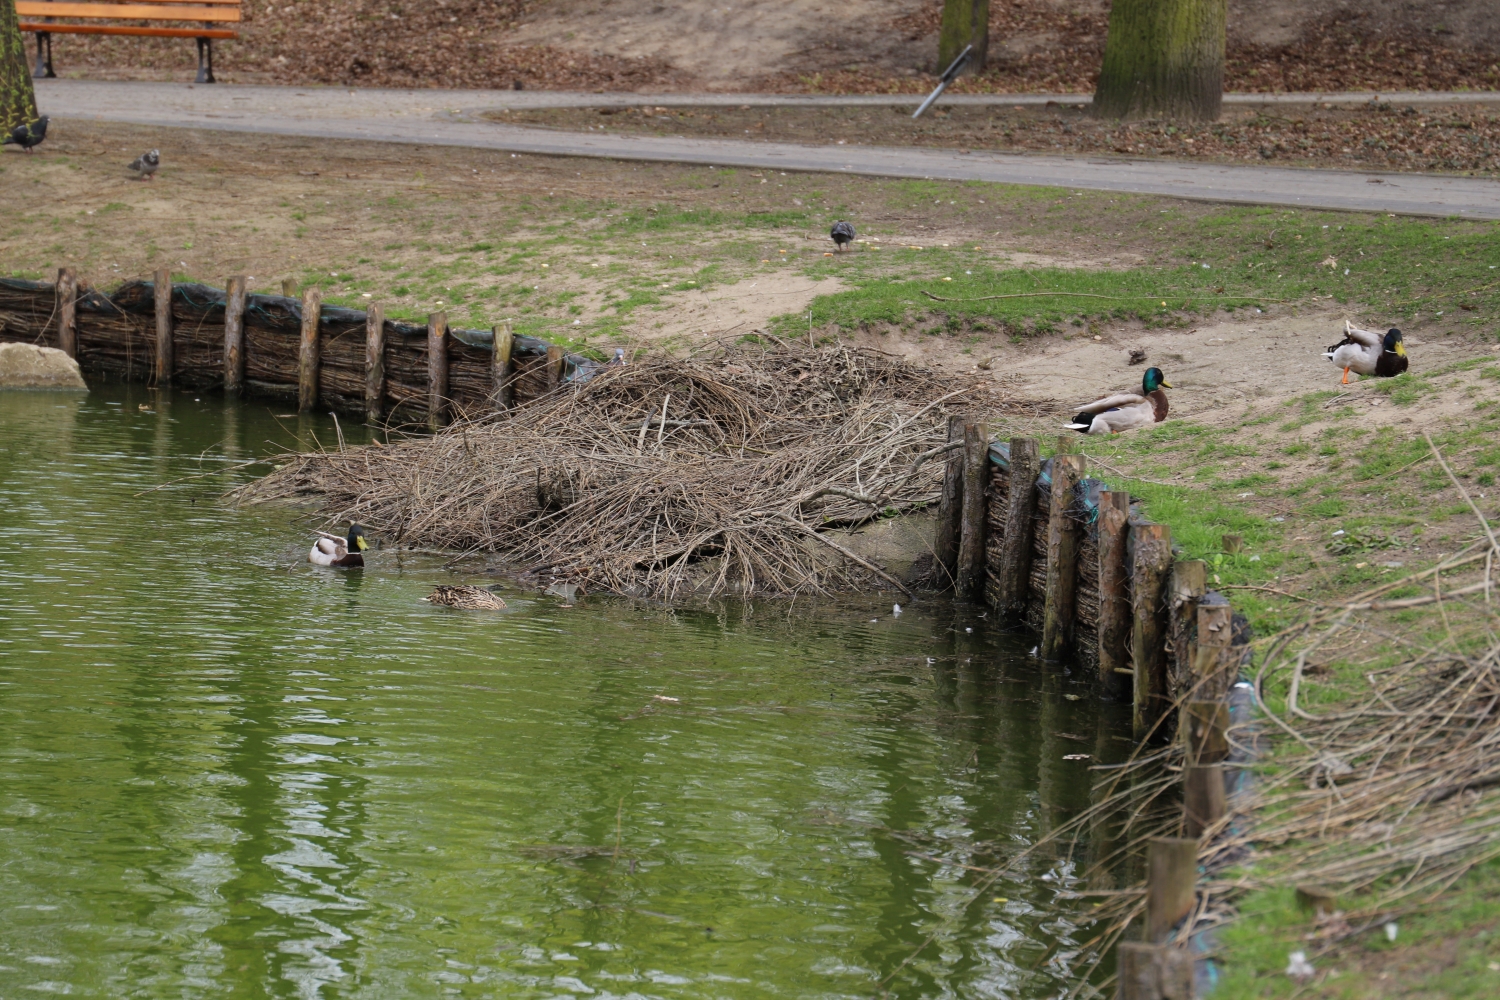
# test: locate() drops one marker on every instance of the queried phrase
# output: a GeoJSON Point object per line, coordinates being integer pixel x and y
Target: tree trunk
{"type": "Point", "coordinates": [965, 22]}
{"type": "Point", "coordinates": [1163, 59]}
{"type": "Point", "coordinates": [17, 98]}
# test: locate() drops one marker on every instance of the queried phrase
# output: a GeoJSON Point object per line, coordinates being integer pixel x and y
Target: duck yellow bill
{"type": "Point", "coordinates": [1400, 348]}
{"type": "Point", "coordinates": [1167, 385]}
{"type": "Point", "coordinates": [360, 541]}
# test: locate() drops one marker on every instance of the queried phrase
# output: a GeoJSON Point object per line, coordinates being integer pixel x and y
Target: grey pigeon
{"type": "Point", "coordinates": [842, 233]}
{"type": "Point", "coordinates": [27, 136]}
{"type": "Point", "coordinates": [145, 165]}
{"type": "Point", "coordinates": [619, 358]}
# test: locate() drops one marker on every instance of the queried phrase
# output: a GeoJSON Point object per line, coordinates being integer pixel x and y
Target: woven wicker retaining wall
{"type": "Point", "coordinates": [116, 335]}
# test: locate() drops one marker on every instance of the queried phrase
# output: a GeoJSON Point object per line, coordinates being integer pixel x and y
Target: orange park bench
{"type": "Point", "coordinates": [203, 20]}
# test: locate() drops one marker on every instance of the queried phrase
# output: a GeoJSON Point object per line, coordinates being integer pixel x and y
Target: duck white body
{"type": "Point", "coordinates": [1365, 352]}
{"type": "Point", "coordinates": [333, 551]}
{"type": "Point", "coordinates": [1126, 410]}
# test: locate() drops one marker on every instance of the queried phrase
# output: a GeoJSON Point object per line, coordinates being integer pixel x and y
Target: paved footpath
{"type": "Point", "coordinates": [454, 118]}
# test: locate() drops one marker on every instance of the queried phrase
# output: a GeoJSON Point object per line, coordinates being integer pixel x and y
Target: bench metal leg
{"type": "Point", "coordinates": [205, 61]}
{"type": "Point", "coordinates": [43, 70]}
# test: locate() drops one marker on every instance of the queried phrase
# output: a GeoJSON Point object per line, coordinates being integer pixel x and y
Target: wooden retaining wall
{"type": "Point", "coordinates": [1097, 582]}
{"type": "Point", "coordinates": [382, 370]}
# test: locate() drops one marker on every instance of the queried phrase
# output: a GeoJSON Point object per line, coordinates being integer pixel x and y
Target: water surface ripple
{"type": "Point", "coordinates": [225, 772]}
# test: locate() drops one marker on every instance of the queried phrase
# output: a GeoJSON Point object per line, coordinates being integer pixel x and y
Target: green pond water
{"type": "Point", "coordinates": [225, 772]}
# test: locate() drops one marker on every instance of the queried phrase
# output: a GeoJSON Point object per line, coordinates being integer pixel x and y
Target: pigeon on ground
{"type": "Point", "coordinates": [27, 136]}
{"type": "Point", "coordinates": [842, 233]}
{"type": "Point", "coordinates": [619, 358]}
{"type": "Point", "coordinates": [145, 165]}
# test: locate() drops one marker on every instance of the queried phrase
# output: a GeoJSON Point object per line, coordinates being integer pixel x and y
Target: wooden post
{"type": "Point", "coordinates": [309, 357]}
{"type": "Point", "coordinates": [1189, 580]}
{"type": "Point", "coordinates": [1212, 662]}
{"type": "Point", "coordinates": [1233, 543]}
{"type": "Point", "coordinates": [1151, 561]}
{"type": "Point", "coordinates": [437, 370]}
{"type": "Point", "coordinates": [1171, 874]}
{"type": "Point", "coordinates": [964, 22]}
{"type": "Point", "coordinates": [971, 541]}
{"type": "Point", "coordinates": [1062, 558]}
{"type": "Point", "coordinates": [1202, 798]}
{"type": "Point", "coordinates": [1154, 972]}
{"type": "Point", "coordinates": [161, 293]}
{"type": "Point", "coordinates": [374, 362]}
{"type": "Point", "coordinates": [67, 311]}
{"type": "Point", "coordinates": [500, 367]}
{"type": "Point", "coordinates": [235, 291]}
{"type": "Point", "coordinates": [1205, 728]}
{"type": "Point", "coordinates": [950, 506]}
{"type": "Point", "coordinates": [555, 362]}
{"type": "Point", "coordinates": [289, 287]}
{"type": "Point", "coordinates": [1015, 547]}
{"type": "Point", "coordinates": [1114, 593]}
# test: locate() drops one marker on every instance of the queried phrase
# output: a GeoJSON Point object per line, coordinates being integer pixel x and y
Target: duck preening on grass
{"type": "Point", "coordinates": [1367, 353]}
{"type": "Point", "coordinates": [842, 234]}
{"type": "Point", "coordinates": [467, 598]}
{"type": "Point", "coordinates": [1127, 410]}
{"type": "Point", "coordinates": [331, 550]}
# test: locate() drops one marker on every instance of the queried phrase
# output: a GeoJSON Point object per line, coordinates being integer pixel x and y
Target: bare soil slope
{"type": "Point", "coordinates": [877, 46]}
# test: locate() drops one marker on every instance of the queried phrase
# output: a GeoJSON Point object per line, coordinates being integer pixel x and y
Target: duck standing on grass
{"type": "Point", "coordinates": [331, 550]}
{"type": "Point", "coordinates": [1367, 353]}
{"type": "Point", "coordinates": [1127, 410]}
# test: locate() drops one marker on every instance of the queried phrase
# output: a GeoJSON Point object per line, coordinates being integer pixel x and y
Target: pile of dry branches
{"type": "Point", "coordinates": [664, 476]}
{"type": "Point", "coordinates": [1381, 804]}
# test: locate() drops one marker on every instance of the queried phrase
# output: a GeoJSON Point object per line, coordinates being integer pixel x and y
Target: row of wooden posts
{"type": "Point", "coordinates": [1163, 639]}
{"type": "Point", "coordinates": [236, 293]}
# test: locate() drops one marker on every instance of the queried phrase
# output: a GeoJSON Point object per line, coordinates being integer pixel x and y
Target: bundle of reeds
{"type": "Point", "coordinates": [667, 475]}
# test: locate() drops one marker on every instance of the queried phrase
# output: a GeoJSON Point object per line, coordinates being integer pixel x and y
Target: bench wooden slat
{"type": "Point", "coordinates": [130, 11]}
{"type": "Point", "coordinates": [129, 29]}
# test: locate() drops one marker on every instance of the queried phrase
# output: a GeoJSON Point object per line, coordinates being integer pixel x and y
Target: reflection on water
{"type": "Point", "coordinates": [226, 771]}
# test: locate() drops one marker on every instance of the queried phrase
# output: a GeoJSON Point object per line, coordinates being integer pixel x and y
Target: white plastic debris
{"type": "Point", "coordinates": [1297, 965]}
{"type": "Point", "coordinates": [895, 609]}
{"type": "Point", "coordinates": [1391, 930]}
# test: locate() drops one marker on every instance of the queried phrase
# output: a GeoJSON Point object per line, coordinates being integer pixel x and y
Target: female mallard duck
{"type": "Point", "coordinates": [467, 598]}
{"type": "Point", "coordinates": [1366, 353]}
{"type": "Point", "coordinates": [1127, 410]}
{"type": "Point", "coordinates": [330, 550]}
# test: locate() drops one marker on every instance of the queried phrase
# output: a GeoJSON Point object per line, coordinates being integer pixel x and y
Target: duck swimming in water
{"type": "Point", "coordinates": [343, 552]}
{"type": "Point", "coordinates": [1127, 410]}
{"type": "Point", "coordinates": [467, 598]}
{"type": "Point", "coordinates": [1367, 353]}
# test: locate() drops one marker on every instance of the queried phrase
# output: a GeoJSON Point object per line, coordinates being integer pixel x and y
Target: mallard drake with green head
{"type": "Point", "coordinates": [1126, 410]}
{"type": "Point", "coordinates": [466, 598]}
{"type": "Point", "coordinates": [346, 553]}
{"type": "Point", "coordinates": [1367, 353]}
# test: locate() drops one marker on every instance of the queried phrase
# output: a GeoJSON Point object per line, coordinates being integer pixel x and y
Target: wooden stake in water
{"type": "Point", "coordinates": [500, 370]}
{"type": "Point", "coordinates": [973, 523]}
{"type": "Point", "coordinates": [161, 293]}
{"type": "Point", "coordinates": [67, 311]}
{"type": "Point", "coordinates": [1171, 874]}
{"type": "Point", "coordinates": [949, 531]}
{"type": "Point", "coordinates": [1015, 547]}
{"type": "Point", "coordinates": [1114, 594]}
{"type": "Point", "coordinates": [235, 292]}
{"type": "Point", "coordinates": [1202, 798]}
{"type": "Point", "coordinates": [374, 363]}
{"type": "Point", "coordinates": [1150, 566]}
{"type": "Point", "coordinates": [437, 370]}
{"type": "Point", "coordinates": [1062, 559]}
{"type": "Point", "coordinates": [555, 361]}
{"type": "Point", "coordinates": [1189, 580]}
{"type": "Point", "coordinates": [309, 355]}
{"type": "Point", "coordinates": [1154, 972]}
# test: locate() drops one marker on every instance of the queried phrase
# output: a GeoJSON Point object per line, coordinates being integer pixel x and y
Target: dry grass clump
{"type": "Point", "coordinates": [664, 476]}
